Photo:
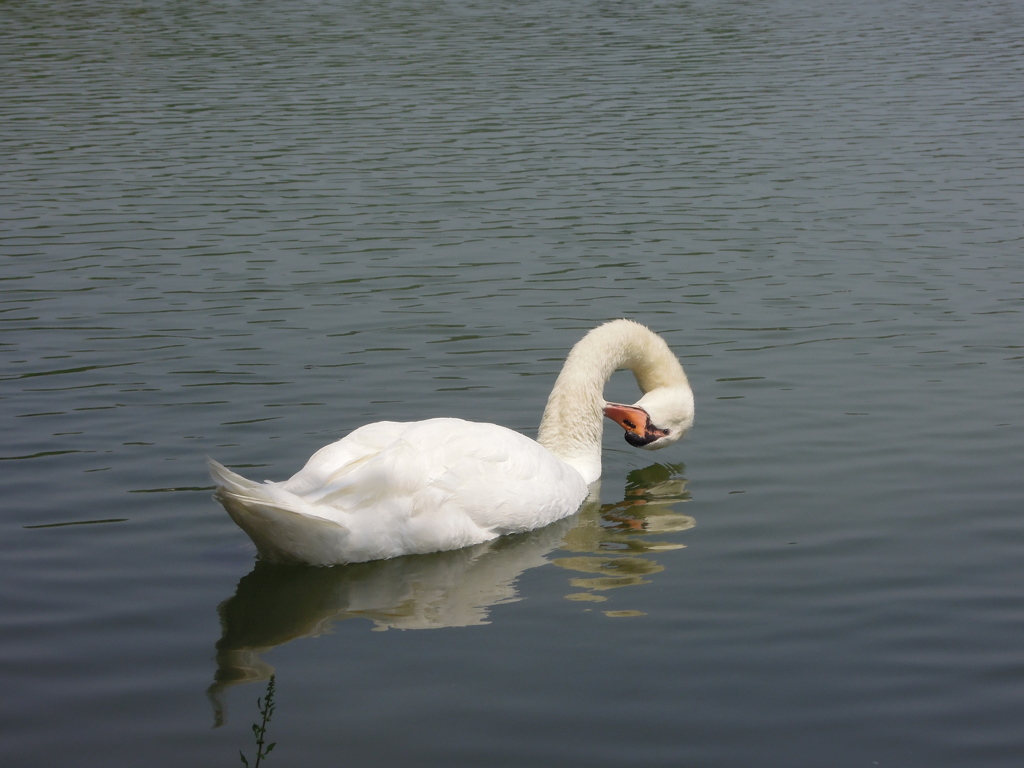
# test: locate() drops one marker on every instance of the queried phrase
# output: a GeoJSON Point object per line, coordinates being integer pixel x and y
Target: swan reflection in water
{"type": "Point", "coordinates": [275, 604]}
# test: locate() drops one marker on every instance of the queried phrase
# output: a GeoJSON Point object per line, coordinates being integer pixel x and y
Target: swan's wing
{"type": "Point", "coordinates": [329, 466]}
{"type": "Point", "coordinates": [503, 481]}
{"type": "Point", "coordinates": [440, 477]}
{"type": "Point", "coordinates": [403, 488]}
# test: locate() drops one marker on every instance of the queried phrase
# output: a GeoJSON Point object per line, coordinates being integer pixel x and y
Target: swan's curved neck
{"type": "Point", "coordinates": [573, 418]}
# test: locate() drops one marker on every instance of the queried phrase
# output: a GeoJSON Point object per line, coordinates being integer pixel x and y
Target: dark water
{"type": "Point", "coordinates": [242, 230]}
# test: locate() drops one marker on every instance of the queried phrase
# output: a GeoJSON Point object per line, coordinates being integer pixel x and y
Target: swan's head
{"type": "Point", "coordinates": [657, 419]}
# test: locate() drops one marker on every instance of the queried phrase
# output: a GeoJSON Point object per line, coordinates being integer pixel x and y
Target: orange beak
{"type": "Point", "coordinates": [637, 423]}
{"type": "Point", "coordinates": [629, 417]}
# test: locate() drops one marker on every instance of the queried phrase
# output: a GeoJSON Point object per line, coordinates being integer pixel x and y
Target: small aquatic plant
{"type": "Point", "coordinates": [266, 705]}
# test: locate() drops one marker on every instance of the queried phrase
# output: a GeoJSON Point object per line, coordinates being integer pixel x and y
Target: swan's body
{"type": "Point", "coordinates": [390, 489]}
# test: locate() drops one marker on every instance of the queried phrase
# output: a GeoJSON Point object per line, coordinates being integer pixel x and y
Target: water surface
{"type": "Point", "coordinates": [244, 230]}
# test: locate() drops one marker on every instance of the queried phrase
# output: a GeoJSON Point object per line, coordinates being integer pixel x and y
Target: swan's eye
{"type": "Point", "coordinates": [667, 432]}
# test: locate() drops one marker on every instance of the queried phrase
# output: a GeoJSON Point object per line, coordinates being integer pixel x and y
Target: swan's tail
{"type": "Point", "coordinates": [276, 521]}
{"type": "Point", "coordinates": [232, 482]}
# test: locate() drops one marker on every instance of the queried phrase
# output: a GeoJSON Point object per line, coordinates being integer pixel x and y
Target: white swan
{"type": "Point", "coordinates": [390, 489]}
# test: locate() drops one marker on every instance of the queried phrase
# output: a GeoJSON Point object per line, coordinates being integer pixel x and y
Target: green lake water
{"type": "Point", "coordinates": [244, 229]}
